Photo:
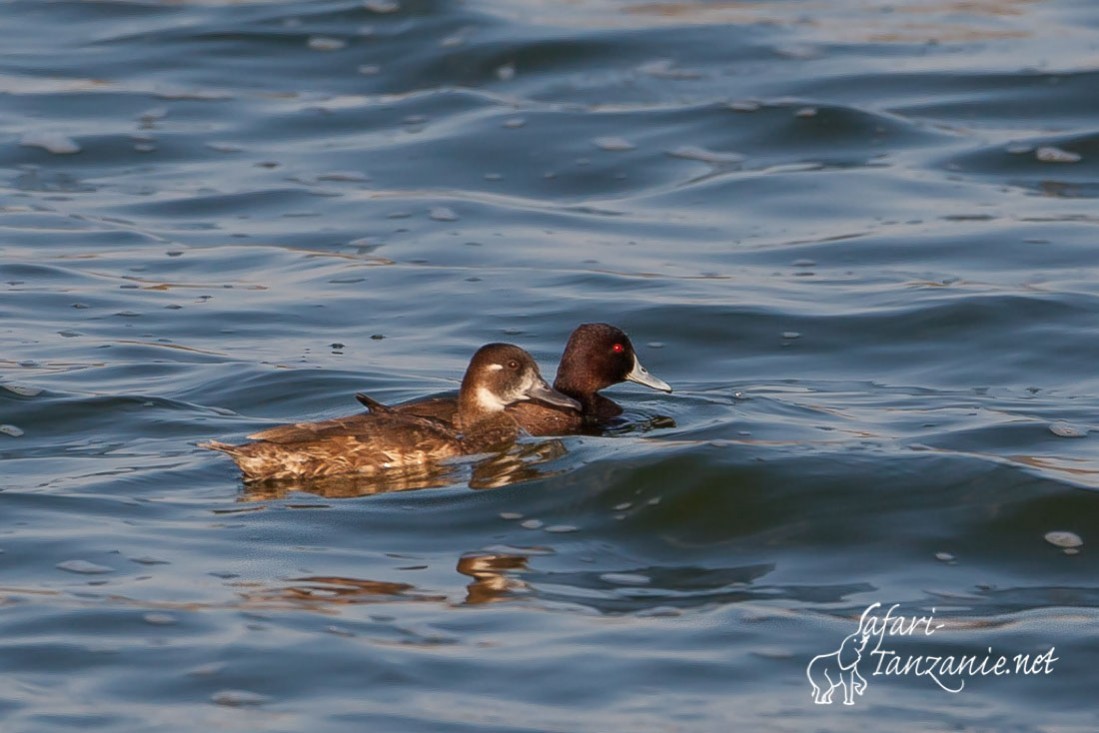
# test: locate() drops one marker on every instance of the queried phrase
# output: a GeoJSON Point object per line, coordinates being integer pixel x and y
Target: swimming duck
{"type": "Point", "coordinates": [498, 375]}
{"type": "Point", "coordinates": [597, 356]}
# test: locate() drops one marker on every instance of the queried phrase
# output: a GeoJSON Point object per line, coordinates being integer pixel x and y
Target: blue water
{"type": "Point", "coordinates": [858, 238]}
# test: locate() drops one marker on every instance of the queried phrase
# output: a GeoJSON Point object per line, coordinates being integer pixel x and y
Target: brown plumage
{"type": "Point", "coordinates": [597, 356]}
{"type": "Point", "coordinates": [498, 375]}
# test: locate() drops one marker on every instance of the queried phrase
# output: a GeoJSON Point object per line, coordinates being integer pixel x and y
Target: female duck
{"type": "Point", "coordinates": [597, 356]}
{"type": "Point", "coordinates": [498, 375]}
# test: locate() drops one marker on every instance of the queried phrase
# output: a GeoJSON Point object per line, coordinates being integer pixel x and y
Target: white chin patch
{"type": "Point", "coordinates": [488, 401]}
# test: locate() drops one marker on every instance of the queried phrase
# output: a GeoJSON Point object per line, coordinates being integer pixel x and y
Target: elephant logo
{"type": "Point", "coordinates": [840, 668]}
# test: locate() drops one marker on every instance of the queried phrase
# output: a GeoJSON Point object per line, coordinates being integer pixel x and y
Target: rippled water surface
{"type": "Point", "coordinates": [859, 238]}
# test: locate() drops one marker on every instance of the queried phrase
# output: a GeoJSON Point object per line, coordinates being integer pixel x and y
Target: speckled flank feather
{"type": "Point", "coordinates": [360, 444]}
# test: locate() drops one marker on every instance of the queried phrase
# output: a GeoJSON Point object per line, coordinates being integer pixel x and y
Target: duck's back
{"type": "Point", "coordinates": [444, 408]}
{"type": "Point", "coordinates": [535, 418]}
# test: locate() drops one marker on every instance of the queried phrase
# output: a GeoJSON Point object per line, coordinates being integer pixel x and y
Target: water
{"type": "Point", "coordinates": [858, 238]}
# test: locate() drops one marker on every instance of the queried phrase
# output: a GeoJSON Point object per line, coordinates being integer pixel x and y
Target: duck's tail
{"type": "Point", "coordinates": [233, 450]}
{"type": "Point", "coordinates": [372, 404]}
{"type": "Point", "coordinates": [249, 457]}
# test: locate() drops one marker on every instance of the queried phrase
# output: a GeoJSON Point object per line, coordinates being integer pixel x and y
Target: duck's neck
{"type": "Point", "coordinates": [476, 405]}
{"type": "Point", "coordinates": [566, 383]}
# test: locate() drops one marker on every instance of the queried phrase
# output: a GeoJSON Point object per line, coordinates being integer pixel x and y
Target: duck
{"type": "Point", "coordinates": [385, 438]}
{"type": "Point", "coordinates": [597, 356]}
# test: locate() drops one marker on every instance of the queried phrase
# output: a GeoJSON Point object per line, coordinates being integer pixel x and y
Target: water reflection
{"type": "Point", "coordinates": [491, 571]}
{"type": "Point", "coordinates": [317, 593]}
{"type": "Point", "coordinates": [492, 576]}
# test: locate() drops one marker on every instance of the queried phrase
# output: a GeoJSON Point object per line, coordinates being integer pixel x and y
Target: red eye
{"type": "Point", "coordinates": [618, 348]}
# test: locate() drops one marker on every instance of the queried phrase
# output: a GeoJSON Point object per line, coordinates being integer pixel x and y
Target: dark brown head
{"type": "Point", "coordinates": [500, 375]}
{"type": "Point", "coordinates": [597, 356]}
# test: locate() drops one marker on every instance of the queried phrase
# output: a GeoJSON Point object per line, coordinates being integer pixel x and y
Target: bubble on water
{"type": "Point", "coordinates": [531, 524]}
{"type": "Point", "coordinates": [744, 106]}
{"type": "Point", "coordinates": [659, 612]}
{"type": "Point", "coordinates": [510, 515]}
{"type": "Point", "coordinates": [326, 43]}
{"type": "Point", "coordinates": [83, 567]}
{"type": "Point", "coordinates": [626, 578]}
{"type": "Point", "coordinates": [455, 39]}
{"type": "Point", "coordinates": [382, 6]}
{"type": "Point", "coordinates": [501, 549]}
{"type": "Point", "coordinates": [1051, 154]}
{"type": "Point", "coordinates": [144, 147]}
{"type": "Point", "coordinates": [798, 51]}
{"type": "Point", "coordinates": [614, 144]}
{"type": "Point", "coordinates": [349, 176]}
{"type": "Point", "coordinates": [1064, 539]}
{"type": "Point", "coordinates": [11, 430]}
{"type": "Point", "coordinates": [791, 335]}
{"type": "Point", "coordinates": [944, 557]}
{"type": "Point", "coordinates": [370, 69]}
{"type": "Point", "coordinates": [805, 112]}
{"type": "Point", "coordinates": [23, 391]}
{"type": "Point", "coordinates": [203, 95]}
{"type": "Point", "coordinates": [513, 123]}
{"type": "Point", "coordinates": [1064, 430]}
{"type": "Point", "coordinates": [506, 72]}
{"type": "Point", "coordinates": [160, 619]}
{"type": "Point", "coordinates": [206, 670]}
{"type": "Point", "coordinates": [149, 560]}
{"type": "Point", "coordinates": [51, 142]}
{"type": "Point", "coordinates": [339, 631]}
{"type": "Point", "coordinates": [154, 114]}
{"type": "Point", "coordinates": [238, 698]}
{"type": "Point", "coordinates": [666, 69]}
{"type": "Point", "coordinates": [224, 147]}
{"type": "Point", "coordinates": [713, 157]}
{"type": "Point", "coordinates": [443, 213]}
{"type": "Point", "coordinates": [623, 506]}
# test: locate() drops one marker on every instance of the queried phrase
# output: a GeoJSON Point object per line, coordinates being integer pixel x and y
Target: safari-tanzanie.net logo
{"type": "Point", "coordinates": [868, 653]}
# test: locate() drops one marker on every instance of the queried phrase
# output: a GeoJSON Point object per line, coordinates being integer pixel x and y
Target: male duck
{"type": "Point", "coordinates": [597, 356]}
